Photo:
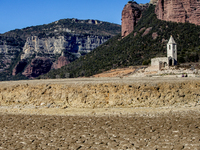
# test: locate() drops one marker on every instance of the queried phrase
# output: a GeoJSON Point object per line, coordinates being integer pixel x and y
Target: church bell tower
{"type": "Point", "coordinates": [172, 52]}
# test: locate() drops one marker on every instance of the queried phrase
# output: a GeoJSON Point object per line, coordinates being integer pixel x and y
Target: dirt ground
{"type": "Point", "coordinates": [92, 80]}
{"type": "Point", "coordinates": [170, 128]}
{"type": "Point", "coordinates": [116, 72]}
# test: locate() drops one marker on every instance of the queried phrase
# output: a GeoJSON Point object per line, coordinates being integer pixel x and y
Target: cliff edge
{"type": "Point", "coordinates": [131, 14]}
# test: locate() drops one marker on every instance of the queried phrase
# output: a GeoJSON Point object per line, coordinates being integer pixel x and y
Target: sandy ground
{"type": "Point", "coordinates": [97, 111]}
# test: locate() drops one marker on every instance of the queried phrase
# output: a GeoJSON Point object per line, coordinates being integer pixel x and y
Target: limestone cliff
{"type": "Point", "coordinates": [51, 46]}
{"type": "Point", "coordinates": [131, 14]}
{"type": "Point", "coordinates": [71, 36]}
{"type": "Point", "coordinates": [7, 53]}
{"type": "Point", "coordinates": [179, 11]}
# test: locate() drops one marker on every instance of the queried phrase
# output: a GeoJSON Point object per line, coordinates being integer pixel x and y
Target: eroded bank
{"type": "Point", "coordinates": [101, 93]}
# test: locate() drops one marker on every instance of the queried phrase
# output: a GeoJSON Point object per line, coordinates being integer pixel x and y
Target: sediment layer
{"type": "Point", "coordinates": [102, 93]}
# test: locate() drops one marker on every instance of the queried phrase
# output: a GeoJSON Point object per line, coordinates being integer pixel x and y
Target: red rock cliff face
{"type": "Point", "coordinates": [131, 14]}
{"type": "Point", "coordinates": [38, 66]}
{"type": "Point", "coordinates": [62, 61]}
{"type": "Point", "coordinates": [179, 11]}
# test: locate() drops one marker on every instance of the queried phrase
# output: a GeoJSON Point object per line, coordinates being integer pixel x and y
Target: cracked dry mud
{"type": "Point", "coordinates": [165, 131]}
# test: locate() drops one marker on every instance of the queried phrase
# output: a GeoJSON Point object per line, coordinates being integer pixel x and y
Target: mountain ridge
{"type": "Point", "coordinates": [68, 36]}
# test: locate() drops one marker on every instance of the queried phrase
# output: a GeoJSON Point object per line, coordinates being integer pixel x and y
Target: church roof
{"type": "Point", "coordinates": [171, 40]}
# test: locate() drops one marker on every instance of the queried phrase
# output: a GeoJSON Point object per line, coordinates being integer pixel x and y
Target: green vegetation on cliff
{"type": "Point", "coordinates": [66, 27]}
{"type": "Point", "coordinates": [137, 48]}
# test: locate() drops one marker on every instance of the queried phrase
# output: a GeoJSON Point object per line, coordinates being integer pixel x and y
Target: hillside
{"type": "Point", "coordinates": [148, 40]}
{"type": "Point", "coordinates": [57, 43]}
{"type": "Point", "coordinates": [64, 26]}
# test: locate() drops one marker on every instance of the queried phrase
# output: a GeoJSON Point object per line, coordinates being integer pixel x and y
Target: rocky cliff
{"type": "Point", "coordinates": [131, 14]}
{"type": "Point", "coordinates": [76, 44]}
{"type": "Point", "coordinates": [7, 54]}
{"type": "Point", "coordinates": [19, 67]}
{"type": "Point", "coordinates": [37, 67]}
{"type": "Point", "coordinates": [153, 2]}
{"type": "Point", "coordinates": [71, 36]}
{"type": "Point", "coordinates": [62, 61]}
{"type": "Point", "coordinates": [179, 11]}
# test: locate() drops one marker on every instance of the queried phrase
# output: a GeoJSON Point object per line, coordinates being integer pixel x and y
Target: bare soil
{"type": "Point", "coordinates": [167, 128]}
{"type": "Point", "coordinates": [164, 131]}
{"type": "Point", "coordinates": [115, 72]}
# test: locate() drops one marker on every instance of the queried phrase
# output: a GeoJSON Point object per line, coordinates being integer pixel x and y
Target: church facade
{"type": "Point", "coordinates": [170, 60]}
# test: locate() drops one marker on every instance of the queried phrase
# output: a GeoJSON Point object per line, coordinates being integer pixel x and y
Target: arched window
{"type": "Point", "coordinates": [169, 47]}
{"type": "Point", "coordinates": [174, 46]}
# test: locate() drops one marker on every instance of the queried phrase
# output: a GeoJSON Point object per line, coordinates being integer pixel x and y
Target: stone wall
{"type": "Point", "coordinates": [119, 93]}
{"type": "Point", "coordinates": [155, 61]}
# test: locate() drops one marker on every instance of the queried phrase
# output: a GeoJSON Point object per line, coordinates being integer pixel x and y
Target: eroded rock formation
{"type": "Point", "coordinates": [19, 67]}
{"type": "Point", "coordinates": [7, 54]}
{"type": "Point", "coordinates": [56, 45]}
{"type": "Point", "coordinates": [38, 67]}
{"type": "Point", "coordinates": [131, 14]}
{"type": "Point", "coordinates": [179, 11]}
{"type": "Point", "coordinates": [62, 61]}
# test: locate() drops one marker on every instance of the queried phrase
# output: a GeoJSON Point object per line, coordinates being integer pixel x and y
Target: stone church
{"type": "Point", "coordinates": [170, 60]}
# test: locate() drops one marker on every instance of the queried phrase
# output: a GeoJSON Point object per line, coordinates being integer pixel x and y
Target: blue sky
{"type": "Point", "coordinates": [18, 14]}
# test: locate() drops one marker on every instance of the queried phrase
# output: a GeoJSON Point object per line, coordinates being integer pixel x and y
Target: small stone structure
{"type": "Point", "coordinates": [170, 60]}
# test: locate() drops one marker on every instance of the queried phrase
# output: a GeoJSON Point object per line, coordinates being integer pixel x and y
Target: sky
{"type": "Point", "coordinates": [18, 14]}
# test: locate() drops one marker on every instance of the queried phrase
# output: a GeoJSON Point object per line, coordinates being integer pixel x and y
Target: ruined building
{"type": "Point", "coordinates": [170, 60]}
